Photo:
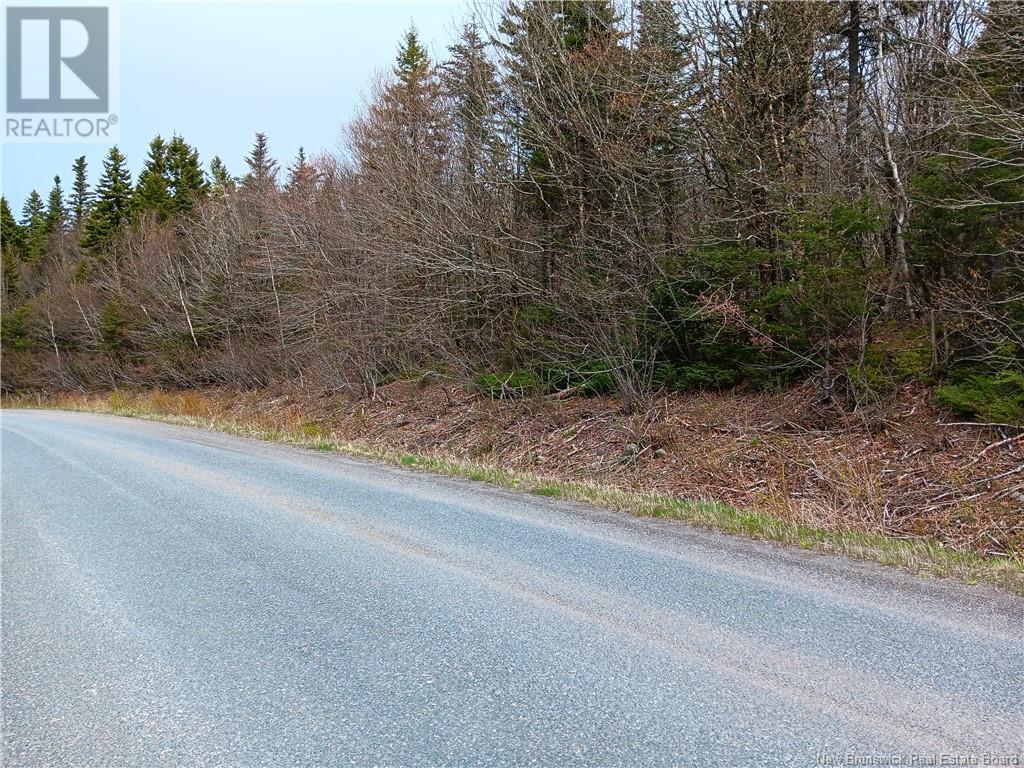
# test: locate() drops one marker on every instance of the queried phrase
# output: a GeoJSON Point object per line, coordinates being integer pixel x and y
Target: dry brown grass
{"type": "Point", "coordinates": [799, 473]}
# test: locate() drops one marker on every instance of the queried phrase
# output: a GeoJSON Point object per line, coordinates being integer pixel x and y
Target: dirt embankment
{"type": "Point", "coordinates": [907, 474]}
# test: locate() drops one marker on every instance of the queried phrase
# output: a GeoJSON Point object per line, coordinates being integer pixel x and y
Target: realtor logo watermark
{"type": "Point", "coordinates": [60, 68]}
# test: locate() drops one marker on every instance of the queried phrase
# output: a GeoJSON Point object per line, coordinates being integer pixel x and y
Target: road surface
{"type": "Point", "coordinates": [178, 597]}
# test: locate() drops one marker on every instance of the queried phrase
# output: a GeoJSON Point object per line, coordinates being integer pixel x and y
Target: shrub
{"type": "Point", "coordinates": [13, 328]}
{"type": "Point", "coordinates": [896, 357]}
{"type": "Point", "coordinates": [115, 325]}
{"type": "Point", "coordinates": [591, 377]}
{"type": "Point", "coordinates": [510, 385]}
{"type": "Point", "coordinates": [687, 376]}
{"type": "Point", "coordinates": [996, 397]}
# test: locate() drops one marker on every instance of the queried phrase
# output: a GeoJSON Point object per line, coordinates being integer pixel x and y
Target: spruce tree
{"type": "Point", "coordinates": [967, 227]}
{"type": "Point", "coordinates": [33, 221]}
{"type": "Point", "coordinates": [302, 176]}
{"type": "Point", "coordinates": [221, 180]}
{"type": "Point", "coordinates": [188, 181]}
{"type": "Point", "coordinates": [152, 191]}
{"type": "Point", "coordinates": [33, 210]}
{"type": "Point", "coordinates": [112, 208]}
{"type": "Point", "coordinates": [297, 167]}
{"type": "Point", "coordinates": [10, 248]}
{"type": "Point", "coordinates": [552, 55]}
{"type": "Point", "coordinates": [414, 101]}
{"type": "Point", "coordinates": [262, 167]}
{"type": "Point", "coordinates": [9, 274]}
{"type": "Point", "coordinates": [56, 213]}
{"type": "Point", "coordinates": [81, 197]}
{"type": "Point", "coordinates": [413, 62]}
{"type": "Point", "coordinates": [661, 77]}
{"type": "Point", "coordinates": [469, 82]}
{"type": "Point", "coordinates": [12, 236]}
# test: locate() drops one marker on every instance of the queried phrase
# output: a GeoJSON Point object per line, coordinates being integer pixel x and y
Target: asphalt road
{"type": "Point", "coordinates": [177, 597]}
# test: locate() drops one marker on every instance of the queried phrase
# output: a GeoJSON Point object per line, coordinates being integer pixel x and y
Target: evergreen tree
{"type": "Point", "coordinates": [10, 249]}
{"type": "Point", "coordinates": [81, 197]}
{"type": "Point", "coordinates": [967, 227]}
{"type": "Point", "coordinates": [298, 167]}
{"type": "Point", "coordinates": [9, 274]}
{"type": "Point", "coordinates": [469, 82]}
{"type": "Point", "coordinates": [544, 51]}
{"type": "Point", "coordinates": [413, 63]}
{"type": "Point", "coordinates": [262, 167]}
{"type": "Point", "coordinates": [661, 78]}
{"type": "Point", "coordinates": [33, 222]}
{"type": "Point", "coordinates": [112, 208]}
{"type": "Point", "coordinates": [153, 189]}
{"type": "Point", "coordinates": [302, 177]}
{"type": "Point", "coordinates": [12, 236]}
{"type": "Point", "coordinates": [411, 107]}
{"type": "Point", "coordinates": [56, 213]}
{"type": "Point", "coordinates": [221, 180]}
{"type": "Point", "coordinates": [404, 125]}
{"type": "Point", "coordinates": [559, 60]}
{"type": "Point", "coordinates": [186, 174]}
{"type": "Point", "coordinates": [32, 212]}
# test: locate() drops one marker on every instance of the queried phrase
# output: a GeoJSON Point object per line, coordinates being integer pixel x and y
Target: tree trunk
{"type": "Point", "coordinates": [853, 95]}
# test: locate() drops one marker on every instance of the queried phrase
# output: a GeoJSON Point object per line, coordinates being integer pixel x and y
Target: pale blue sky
{"type": "Point", "coordinates": [218, 72]}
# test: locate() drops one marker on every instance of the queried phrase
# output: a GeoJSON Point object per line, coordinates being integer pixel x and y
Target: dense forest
{"type": "Point", "coordinates": [582, 197]}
